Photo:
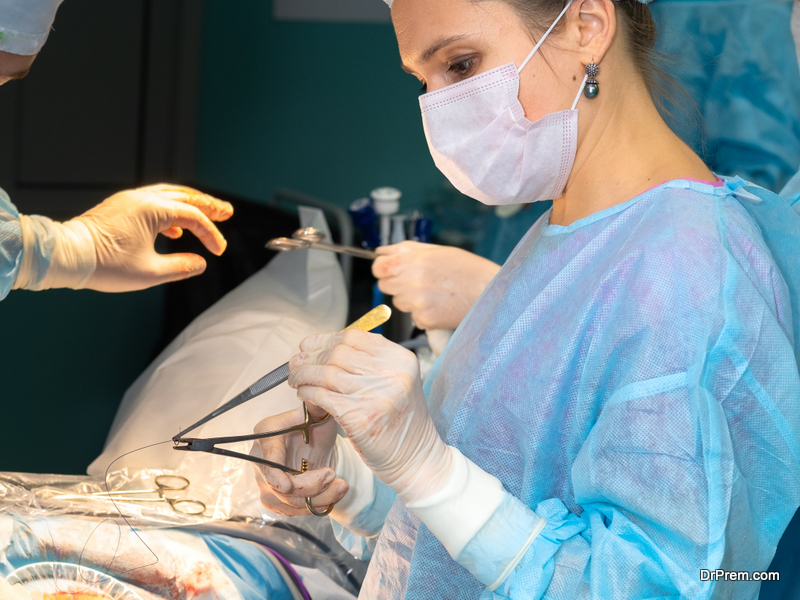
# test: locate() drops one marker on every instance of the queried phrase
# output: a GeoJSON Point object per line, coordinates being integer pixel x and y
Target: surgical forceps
{"type": "Point", "coordinates": [377, 316]}
{"type": "Point", "coordinates": [313, 238]}
{"type": "Point", "coordinates": [164, 485]}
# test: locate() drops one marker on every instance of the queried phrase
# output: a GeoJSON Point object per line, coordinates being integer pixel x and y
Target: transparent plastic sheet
{"type": "Point", "coordinates": [81, 558]}
{"type": "Point", "coordinates": [59, 516]}
{"type": "Point", "coordinates": [26, 494]}
{"type": "Point", "coordinates": [44, 580]}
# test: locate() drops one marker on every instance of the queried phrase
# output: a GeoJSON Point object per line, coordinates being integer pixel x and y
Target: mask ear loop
{"type": "Point", "coordinates": [580, 91]}
{"type": "Point", "coordinates": [544, 37]}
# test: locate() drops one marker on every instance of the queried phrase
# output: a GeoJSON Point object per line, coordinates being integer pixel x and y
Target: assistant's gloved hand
{"type": "Point", "coordinates": [372, 388]}
{"type": "Point", "coordinates": [436, 284]}
{"type": "Point", "coordinates": [110, 248]}
{"type": "Point", "coordinates": [284, 493]}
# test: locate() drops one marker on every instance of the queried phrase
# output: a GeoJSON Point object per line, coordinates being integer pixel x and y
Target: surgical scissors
{"type": "Point", "coordinates": [164, 485]}
{"type": "Point", "coordinates": [377, 316]}
{"type": "Point", "coordinates": [313, 238]}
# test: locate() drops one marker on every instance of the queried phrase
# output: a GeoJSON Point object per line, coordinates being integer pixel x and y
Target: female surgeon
{"type": "Point", "coordinates": [617, 415]}
{"type": "Point", "coordinates": [110, 248]}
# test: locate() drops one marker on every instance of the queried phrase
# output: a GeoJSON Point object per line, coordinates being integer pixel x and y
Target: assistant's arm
{"type": "Point", "coordinates": [109, 248]}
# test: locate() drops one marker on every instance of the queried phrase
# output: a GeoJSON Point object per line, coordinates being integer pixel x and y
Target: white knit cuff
{"type": "Point", "coordinates": [458, 511]}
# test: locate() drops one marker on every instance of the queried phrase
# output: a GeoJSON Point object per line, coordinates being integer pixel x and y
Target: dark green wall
{"type": "Point", "coordinates": [316, 107]}
{"type": "Point", "coordinates": [67, 358]}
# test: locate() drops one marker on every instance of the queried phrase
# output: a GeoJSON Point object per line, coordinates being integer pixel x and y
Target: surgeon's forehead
{"type": "Point", "coordinates": [425, 26]}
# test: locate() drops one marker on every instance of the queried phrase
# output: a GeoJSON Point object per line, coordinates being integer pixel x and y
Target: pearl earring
{"type": "Point", "coordinates": [592, 88]}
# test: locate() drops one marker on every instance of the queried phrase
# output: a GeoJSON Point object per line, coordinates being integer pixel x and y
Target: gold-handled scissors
{"type": "Point", "coordinates": [377, 316]}
{"type": "Point", "coordinates": [309, 237]}
{"type": "Point", "coordinates": [164, 485]}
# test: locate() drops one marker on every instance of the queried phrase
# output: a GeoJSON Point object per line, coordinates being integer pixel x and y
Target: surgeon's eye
{"type": "Point", "coordinates": [462, 68]}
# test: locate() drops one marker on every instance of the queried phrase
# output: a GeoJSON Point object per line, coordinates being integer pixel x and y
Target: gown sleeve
{"type": "Point", "coordinates": [687, 471]}
{"type": "Point", "coordinates": [27, 246]}
{"type": "Point", "coordinates": [10, 244]}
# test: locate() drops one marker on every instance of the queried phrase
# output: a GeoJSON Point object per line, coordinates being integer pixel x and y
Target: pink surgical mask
{"type": "Point", "coordinates": [480, 139]}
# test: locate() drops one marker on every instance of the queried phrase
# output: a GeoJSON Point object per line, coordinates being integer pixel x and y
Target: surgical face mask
{"type": "Point", "coordinates": [480, 139]}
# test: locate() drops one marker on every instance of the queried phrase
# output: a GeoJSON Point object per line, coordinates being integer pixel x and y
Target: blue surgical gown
{"type": "Point", "coordinates": [633, 379]}
{"type": "Point", "coordinates": [10, 244]}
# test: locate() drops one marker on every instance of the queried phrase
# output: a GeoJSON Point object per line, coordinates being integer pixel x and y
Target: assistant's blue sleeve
{"type": "Point", "coordinates": [353, 539]}
{"type": "Point", "coordinates": [10, 244]}
{"type": "Point", "coordinates": [709, 434]}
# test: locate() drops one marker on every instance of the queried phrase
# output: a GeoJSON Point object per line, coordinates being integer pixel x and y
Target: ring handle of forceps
{"type": "Point", "coordinates": [307, 440]}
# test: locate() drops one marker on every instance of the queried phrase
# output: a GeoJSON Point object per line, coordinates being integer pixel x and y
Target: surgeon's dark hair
{"type": "Point", "coordinates": [640, 36]}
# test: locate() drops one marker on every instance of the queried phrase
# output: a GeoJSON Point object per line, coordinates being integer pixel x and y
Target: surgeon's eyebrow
{"type": "Point", "coordinates": [442, 42]}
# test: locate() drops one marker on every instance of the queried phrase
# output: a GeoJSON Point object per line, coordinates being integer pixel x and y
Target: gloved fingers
{"type": "Point", "coordinates": [348, 360]}
{"type": "Point", "coordinates": [310, 483]}
{"type": "Point", "coordinates": [388, 266]}
{"type": "Point", "coordinates": [394, 285]}
{"type": "Point", "coordinates": [392, 259]}
{"type": "Point", "coordinates": [174, 267]}
{"type": "Point", "coordinates": [353, 361]}
{"type": "Point", "coordinates": [271, 501]}
{"type": "Point", "coordinates": [173, 232]}
{"type": "Point", "coordinates": [214, 209]}
{"type": "Point", "coordinates": [191, 218]}
{"type": "Point", "coordinates": [274, 449]}
{"type": "Point", "coordinates": [314, 343]}
{"type": "Point", "coordinates": [274, 504]}
{"type": "Point", "coordinates": [400, 248]}
{"type": "Point", "coordinates": [332, 494]}
{"type": "Point", "coordinates": [332, 402]}
{"type": "Point", "coordinates": [369, 343]}
{"type": "Point", "coordinates": [403, 300]}
{"type": "Point", "coordinates": [327, 376]}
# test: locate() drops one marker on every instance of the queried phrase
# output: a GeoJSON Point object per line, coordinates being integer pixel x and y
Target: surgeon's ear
{"type": "Point", "coordinates": [597, 26]}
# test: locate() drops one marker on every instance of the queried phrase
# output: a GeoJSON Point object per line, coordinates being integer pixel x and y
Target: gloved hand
{"type": "Point", "coordinates": [436, 284]}
{"type": "Point", "coordinates": [110, 248]}
{"type": "Point", "coordinates": [284, 493]}
{"type": "Point", "coordinates": [372, 388]}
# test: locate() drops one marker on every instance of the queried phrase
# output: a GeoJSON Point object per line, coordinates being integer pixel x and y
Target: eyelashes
{"type": "Point", "coordinates": [463, 67]}
{"type": "Point", "coordinates": [460, 69]}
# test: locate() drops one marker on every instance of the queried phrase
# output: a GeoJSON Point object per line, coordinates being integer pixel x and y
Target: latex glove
{"type": "Point", "coordinates": [284, 493]}
{"type": "Point", "coordinates": [436, 284]}
{"type": "Point", "coordinates": [372, 388]}
{"type": "Point", "coordinates": [110, 248]}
